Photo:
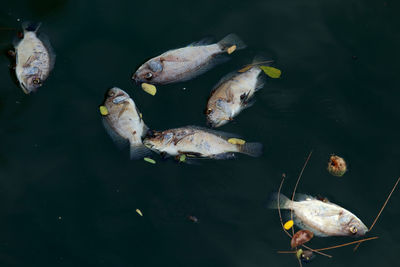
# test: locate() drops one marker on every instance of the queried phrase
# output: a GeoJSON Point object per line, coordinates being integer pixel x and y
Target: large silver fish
{"type": "Point", "coordinates": [323, 218]}
{"type": "Point", "coordinates": [34, 59]}
{"type": "Point", "coordinates": [232, 94]}
{"type": "Point", "coordinates": [185, 63]}
{"type": "Point", "coordinates": [124, 122]}
{"type": "Point", "coordinates": [197, 142]}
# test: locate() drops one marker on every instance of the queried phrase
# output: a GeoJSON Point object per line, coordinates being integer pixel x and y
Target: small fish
{"type": "Point", "coordinates": [232, 94]}
{"type": "Point", "coordinates": [321, 218]}
{"type": "Point", "coordinates": [197, 142]}
{"type": "Point", "coordinates": [34, 59]}
{"type": "Point", "coordinates": [186, 63]}
{"type": "Point", "coordinates": [124, 123]}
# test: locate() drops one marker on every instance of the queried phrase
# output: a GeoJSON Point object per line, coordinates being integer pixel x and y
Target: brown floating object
{"type": "Point", "coordinates": [301, 237]}
{"type": "Point", "coordinates": [306, 256]}
{"type": "Point", "coordinates": [337, 166]}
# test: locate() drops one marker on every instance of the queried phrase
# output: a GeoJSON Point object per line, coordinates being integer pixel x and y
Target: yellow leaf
{"type": "Point", "coordinates": [139, 212]}
{"type": "Point", "coordinates": [149, 160]}
{"type": "Point", "coordinates": [231, 49]}
{"type": "Point", "coordinates": [149, 88]}
{"type": "Point", "coordinates": [182, 158]}
{"type": "Point", "coordinates": [271, 71]}
{"type": "Point", "coordinates": [288, 225]}
{"type": "Point", "coordinates": [236, 141]}
{"type": "Point", "coordinates": [246, 68]}
{"type": "Point", "coordinates": [299, 252]}
{"type": "Point", "coordinates": [103, 110]}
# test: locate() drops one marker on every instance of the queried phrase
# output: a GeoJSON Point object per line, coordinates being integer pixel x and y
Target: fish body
{"type": "Point", "coordinates": [124, 121]}
{"type": "Point", "coordinates": [197, 142]}
{"type": "Point", "coordinates": [34, 59]}
{"type": "Point", "coordinates": [185, 63]}
{"type": "Point", "coordinates": [231, 95]}
{"type": "Point", "coordinates": [323, 218]}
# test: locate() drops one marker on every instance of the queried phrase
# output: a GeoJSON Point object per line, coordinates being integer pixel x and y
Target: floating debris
{"type": "Point", "coordinates": [138, 211]}
{"type": "Point", "coordinates": [306, 256]}
{"type": "Point", "coordinates": [103, 110]}
{"type": "Point", "coordinates": [236, 141]}
{"type": "Point", "coordinates": [149, 160]}
{"type": "Point", "coordinates": [246, 68]}
{"type": "Point", "coordinates": [299, 252]}
{"type": "Point", "coordinates": [288, 225]}
{"type": "Point", "coordinates": [337, 166]}
{"type": "Point", "coordinates": [182, 158]}
{"type": "Point", "coordinates": [301, 237]}
{"type": "Point", "coordinates": [193, 218]}
{"type": "Point", "coordinates": [149, 88]}
{"type": "Point", "coordinates": [231, 49]}
{"type": "Point", "coordinates": [271, 71]}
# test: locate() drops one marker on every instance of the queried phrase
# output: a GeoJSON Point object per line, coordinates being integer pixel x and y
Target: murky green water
{"type": "Point", "coordinates": [68, 196]}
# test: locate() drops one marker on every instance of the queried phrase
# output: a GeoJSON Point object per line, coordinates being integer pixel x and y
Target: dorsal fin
{"type": "Point", "coordinates": [224, 135]}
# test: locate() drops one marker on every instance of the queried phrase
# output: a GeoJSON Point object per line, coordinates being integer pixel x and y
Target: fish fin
{"type": "Point", "coordinates": [231, 40]}
{"type": "Point", "coordinates": [303, 197]}
{"type": "Point", "coordinates": [216, 60]}
{"type": "Point", "coordinates": [139, 151]}
{"type": "Point", "coordinates": [284, 202]}
{"type": "Point", "coordinates": [246, 100]}
{"type": "Point", "coordinates": [261, 80]}
{"type": "Point", "coordinates": [190, 154]}
{"type": "Point", "coordinates": [205, 41]}
{"type": "Point", "coordinates": [46, 42]}
{"type": "Point", "coordinates": [261, 60]}
{"type": "Point", "coordinates": [227, 155]}
{"type": "Point", "coordinates": [251, 149]}
{"type": "Point", "coordinates": [299, 223]}
{"type": "Point", "coordinates": [118, 140]}
{"type": "Point", "coordinates": [224, 135]}
{"type": "Point", "coordinates": [30, 26]}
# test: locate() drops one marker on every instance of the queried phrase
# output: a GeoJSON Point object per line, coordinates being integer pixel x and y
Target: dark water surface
{"type": "Point", "coordinates": [68, 196]}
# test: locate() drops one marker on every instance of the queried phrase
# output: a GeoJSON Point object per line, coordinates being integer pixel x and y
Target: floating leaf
{"type": "Point", "coordinates": [149, 88]}
{"type": "Point", "coordinates": [103, 110]}
{"type": "Point", "coordinates": [288, 225]}
{"type": "Point", "coordinates": [299, 252]}
{"type": "Point", "coordinates": [182, 158]}
{"type": "Point", "coordinates": [271, 71]}
{"type": "Point", "coordinates": [231, 49]}
{"type": "Point", "coordinates": [149, 160]}
{"type": "Point", "coordinates": [236, 141]}
{"type": "Point", "coordinates": [139, 212]}
{"type": "Point", "coordinates": [246, 68]}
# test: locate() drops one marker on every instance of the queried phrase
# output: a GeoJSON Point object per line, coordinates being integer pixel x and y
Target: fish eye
{"type": "Point", "coordinates": [208, 111]}
{"type": "Point", "coordinates": [36, 81]}
{"type": "Point", "coordinates": [148, 75]}
{"type": "Point", "coordinates": [353, 229]}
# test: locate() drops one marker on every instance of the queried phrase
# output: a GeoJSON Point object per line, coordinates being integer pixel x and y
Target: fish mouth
{"type": "Point", "coordinates": [121, 97]}
{"type": "Point", "coordinates": [24, 88]}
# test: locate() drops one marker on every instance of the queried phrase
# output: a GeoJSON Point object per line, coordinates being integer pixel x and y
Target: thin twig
{"type": "Point", "coordinates": [379, 214]}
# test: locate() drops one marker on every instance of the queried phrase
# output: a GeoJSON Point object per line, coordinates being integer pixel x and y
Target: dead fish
{"type": "Point", "coordinates": [323, 218]}
{"type": "Point", "coordinates": [186, 63]}
{"type": "Point", "coordinates": [34, 58]}
{"type": "Point", "coordinates": [301, 237]}
{"type": "Point", "coordinates": [124, 122]}
{"type": "Point", "coordinates": [232, 94]}
{"type": "Point", "coordinates": [197, 142]}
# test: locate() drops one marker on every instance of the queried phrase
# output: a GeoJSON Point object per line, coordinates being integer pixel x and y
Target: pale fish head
{"type": "Point", "coordinates": [31, 79]}
{"type": "Point", "coordinates": [218, 113]}
{"type": "Point", "coordinates": [155, 140]}
{"type": "Point", "coordinates": [116, 96]}
{"type": "Point", "coordinates": [351, 225]}
{"type": "Point", "coordinates": [149, 72]}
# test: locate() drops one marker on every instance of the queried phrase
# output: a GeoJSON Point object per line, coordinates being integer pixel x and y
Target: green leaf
{"type": "Point", "coordinates": [271, 71]}
{"type": "Point", "coordinates": [182, 158]}
{"type": "Point", "coordinates": [149, 160]}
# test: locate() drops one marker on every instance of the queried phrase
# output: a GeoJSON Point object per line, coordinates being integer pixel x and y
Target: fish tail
{"type": "Point", "coordinates": [29, 26]}
{"type": "Point", "coordinates": [139, 151]}
{"type": "Point", "coordinates": [284, 202]}
{"type": "Point", "coordinates": [231, 40]}
{"type": "Point", "coordinates": [251, 149]}
{"type": "Point", "coordinates": [259, 60]}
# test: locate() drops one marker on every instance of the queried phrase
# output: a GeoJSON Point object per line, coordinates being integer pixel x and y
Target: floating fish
{"type": "Point", "coordinates": [34, 58]}
{"type": "Point", "coordinates": [321, 218]}
{"type": "Point", "coordinates": [197, 142]}
{"type": "Point", "coordinates": [186, 63]}
{"type": "Point", "coordinates": [232, 94]}
{"type": "Point", "coordinates": [124, 123]}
